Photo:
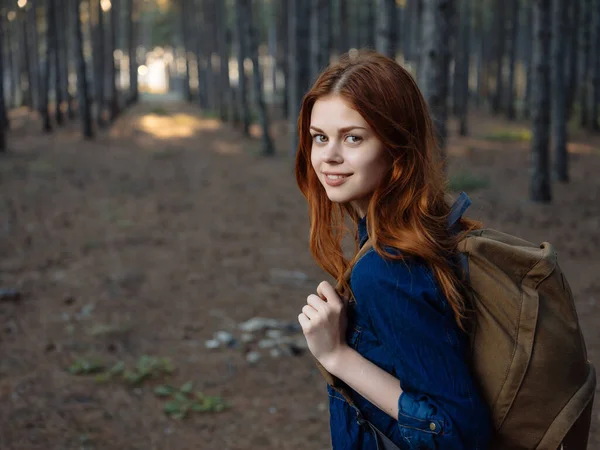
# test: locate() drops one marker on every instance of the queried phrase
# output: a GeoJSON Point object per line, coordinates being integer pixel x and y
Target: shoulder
{"type": "Point", "coordinates": [374, 271]}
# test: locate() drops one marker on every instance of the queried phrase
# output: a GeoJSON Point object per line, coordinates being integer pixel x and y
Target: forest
{"type": "Point", "coordinates": [154, 243]}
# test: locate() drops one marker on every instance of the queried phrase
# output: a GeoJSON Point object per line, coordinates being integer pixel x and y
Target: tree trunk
{"type": "Point", "coordinates": [50, 43]}
{"type": "Point", "coordinates": [2, 105]}
{"type": "Point", "coordinates": [201, 60]}
{"type": "Point", "coordinates": [15, 85]}
{"type": "Point", "coordinates": [242, 82]}
{"type": "Point", "coordinates": [98, 52]}
{"type": "Point", "coordinates": [209, 47]}
{"type": "Point", "coordinates": [245, 10]}
{"type": "Point", "coordinates": [595, 57]}
{"type": "Point", "coordinates": [417, 36]}
{"type": "Point", "coordinates": [343, 41]}
{"type": "Point", "coordinates": [500, 51]}
{"type": "Point", "coordinates": [185, 11]}
{"type": "Point", "coordinates": [222, 29]}
{"type": "Point", "coordinates": [26, 60]}
{"type": "Point", "coordinates": [113, 99]}
{"type": "Point", "coordinates": [82, 84]}
{"type": "Point", "coordinates": [463, 65]}
{"type": "Point", "coordinates": [64, 30]}
{"type": "Point", "coordinates": [58, 86]}
{"type": "Point", "coordinates": [540, 106]}
{"type": "Point", "coordinates": [435, 61]}
{"type": "Point", "coordinates": [299, 54]}
{"type": "Point", "coordinates": [385, 38]}
{"type": "Point", "coordinates": [481, 47]}
{"type": "Point", "coordinates": [573, 59]}
{"type": "Point", "coordinates": [282, 48]}
{"type": "Point", "coordinates": [528, 59]}
{"type": "Point", "coordinates": [132, 44]}
{"type": "Point", "coordinates": [320, 22]}
{"type": "Point", "coordinates": [512, 56]}
{"type": "Point", "coordinates": [559, 113]}
{"type": "Point", "coordinates": [369, 23]}
{"type": "Point", "coordinates": [407, 24]}
{"type": "Point", "coordinates": [585, 88]}
{"type": "Point", "coordinates": [36, 56]}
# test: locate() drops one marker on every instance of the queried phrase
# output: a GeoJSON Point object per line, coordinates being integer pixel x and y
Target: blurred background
{"type": "Point", "coordinates": [153, 242]}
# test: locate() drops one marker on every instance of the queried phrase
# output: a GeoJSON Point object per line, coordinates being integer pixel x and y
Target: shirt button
{"type": "Point", "coordinates": [432, 426]}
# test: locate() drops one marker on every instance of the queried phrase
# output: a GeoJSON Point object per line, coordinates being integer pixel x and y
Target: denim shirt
{"type": "Point", "coordinates": [402, 322]}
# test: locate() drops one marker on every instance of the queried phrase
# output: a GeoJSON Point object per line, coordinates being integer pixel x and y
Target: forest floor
{"type": "Point", "coordinates": [168, 227]}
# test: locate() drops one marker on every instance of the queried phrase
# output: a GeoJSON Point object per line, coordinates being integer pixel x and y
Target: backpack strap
{"type": "Point", "coordinates": [457, 210]}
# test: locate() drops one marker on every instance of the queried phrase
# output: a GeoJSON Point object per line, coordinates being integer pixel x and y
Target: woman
{"type": "Point", "coordinates": [396, 334]}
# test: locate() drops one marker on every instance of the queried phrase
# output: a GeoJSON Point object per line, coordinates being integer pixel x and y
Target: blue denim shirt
{"type": "Point", "coordinates": [402, 322]}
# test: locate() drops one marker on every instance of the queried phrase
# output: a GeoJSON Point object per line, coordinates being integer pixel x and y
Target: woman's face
{"type": "Point", "coordinates": [348, 158]}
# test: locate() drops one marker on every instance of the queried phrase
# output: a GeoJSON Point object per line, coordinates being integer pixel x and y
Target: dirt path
{"type": "Point", "coordinates": [171, 227]}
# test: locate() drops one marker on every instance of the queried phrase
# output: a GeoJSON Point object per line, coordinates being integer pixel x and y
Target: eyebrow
{"type": "Point", "coordinates": [341, 130]}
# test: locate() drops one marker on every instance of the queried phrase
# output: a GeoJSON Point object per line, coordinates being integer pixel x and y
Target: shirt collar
{"type": "Point", "coordinates": [362, 231]}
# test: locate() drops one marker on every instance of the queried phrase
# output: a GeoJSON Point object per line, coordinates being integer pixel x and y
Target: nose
{"type": "Point", "coordinates": [331, 153]}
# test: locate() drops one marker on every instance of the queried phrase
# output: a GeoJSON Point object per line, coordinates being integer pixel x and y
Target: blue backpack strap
{"type": "Point", "coordinates": [457, 210]}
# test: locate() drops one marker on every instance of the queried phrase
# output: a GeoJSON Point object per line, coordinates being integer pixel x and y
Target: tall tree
{"type": "Point", "coordinates": [573, 55]}
{"type": "Point", "coordinates": [500, 47]}
{"type": "Point", "coordinates": [199, 43]}
{"type": "Point", "coordinates": [209, 45]}
{"type": "Point", "coordinates": [245, 10]}
{"type": "Point", "coordinates": [585, 47]}
{"type": "Point", "coordinates": [282, 48]}
{"type": "Point", "coordinates": [82, 84]}
{"type": "Point", "coordinates": [185, 40]}
{"type": "Point", "coordinates": [58, 87]}
{"type": "Point", "coordinates": [37, 79]}
{"type": "Point", "coordinates": [512, 58]}
{"type": "Point", "coordinates": [299, 57]}
{"type": "Point", "coordinates": [463, 64]}
{"type": "Point", "coordinates": [226, 104]}
{"type": "Point", "coordinates": [242, 95]}
{"type": "Point", "coordinates": [343, 38]}
{"type": "Point", "coordinates": [132, 19]}
{"type": "Point", "coordinates": [540, 105]}
{"type": "Point", "coordinates": [113, 100]}
{"type": "Point", "coordinates": [98, 56]}
{"type": "Point", "coordinates": [528, 58]}
{"type": "Point", "coordinates": [50, 48]}
{"type": "Point", "coordinates": [26, 58]}
{"type": "Point", "coordinates": [320, 23]}
{"type": "Point", "coordinates": [2, 105]}
{"type": "Point", "coordinates": [595, 57]}
{"type": "Point", "coordinates": [435, 61]}
{"type": "Point", "coordinates": [11, 60]}
{"type": "Point", "coordinates": [385, 36]}
{"type": "Point", "coordinates": [559, 112]}
{"type": "Point", "coordinates": [62, 31]}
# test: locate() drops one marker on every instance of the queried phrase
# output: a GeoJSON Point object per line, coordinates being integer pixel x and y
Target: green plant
{"type": "Point", "coordinates": [185, 400]}
{"type": "Point", "coordinates": [85, 367]}
{"type": "Point", "coordinates": [509, 135]}
{"type": "Point", "coordinates": [465, 181]}
{"type": "Point", "coordinates": [159, 111]}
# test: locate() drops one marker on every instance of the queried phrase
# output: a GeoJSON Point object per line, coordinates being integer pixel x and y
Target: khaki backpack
{"type": "Point", "coordinates": [528, 353]}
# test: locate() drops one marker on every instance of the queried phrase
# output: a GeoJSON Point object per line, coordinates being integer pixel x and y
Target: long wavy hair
{"type": "Point", "coordinates": [408, 210]}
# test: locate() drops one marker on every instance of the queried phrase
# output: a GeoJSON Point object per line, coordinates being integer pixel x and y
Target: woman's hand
{"type": "Point", "coordinates": [323, 321]}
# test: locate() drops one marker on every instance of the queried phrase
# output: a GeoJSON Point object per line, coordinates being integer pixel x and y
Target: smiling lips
{"type": "Point", "coordinates": [335, 179]}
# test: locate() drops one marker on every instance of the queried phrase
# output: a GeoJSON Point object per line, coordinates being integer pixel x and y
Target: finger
{"type": "Point", "coordinates": [304, 322]}
{"type": "Point", "coordinates": [309, 311]}
{"type": "Point", "coordinates": [326, 291]}
{"type": "Point", "coordinates": [316, 302]}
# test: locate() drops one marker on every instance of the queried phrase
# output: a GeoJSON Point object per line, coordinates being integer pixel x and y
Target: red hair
{"type": "Point", "coordinates": [408, 210]}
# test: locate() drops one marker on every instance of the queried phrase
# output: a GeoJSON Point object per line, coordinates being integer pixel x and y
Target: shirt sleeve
{"type": "Point", "coordinates": [411, 320]}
